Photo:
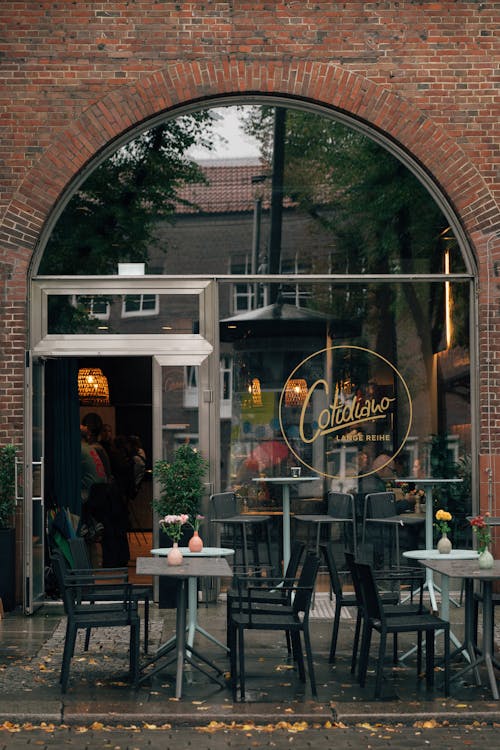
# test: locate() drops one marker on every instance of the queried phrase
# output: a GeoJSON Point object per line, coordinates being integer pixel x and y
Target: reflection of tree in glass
{"type": "Point", "coordinates": [382, 221]}
{"type": "Point", "coordinates": [111, 218]}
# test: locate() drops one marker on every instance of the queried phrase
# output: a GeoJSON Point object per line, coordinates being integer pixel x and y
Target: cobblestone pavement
{"type": "Point", "coordinates": [243, 737]}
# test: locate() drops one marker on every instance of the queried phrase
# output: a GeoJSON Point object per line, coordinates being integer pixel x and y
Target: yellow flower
{"type": "Point", "coordinates": [443, 515]}
{"type": "Point", "coordinates": [442, 518]}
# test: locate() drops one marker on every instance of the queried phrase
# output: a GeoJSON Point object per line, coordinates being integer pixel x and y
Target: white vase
{"type": "Point", "coordinates": [174, 556]}
{"type": "Point", "coordinates": [486, 559]}
{"type": "Point", "coordinates": [444, 545]}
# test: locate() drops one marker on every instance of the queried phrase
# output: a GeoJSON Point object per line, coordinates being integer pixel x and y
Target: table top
{"type": "Point", "coordinates": [323, 518]}
{"type": "Point", "coordinates": [463, 569]}
{"type": "Point", "coordinates": [284, 480]}
{"type": "Point", "coordinates": [403, 519]}
{"type": "Point", "coordinates": [434, 554]}
{"type": "Point", "coordinates": [186, 552]}
{"type": "Point", "coordinates": [191, 567]}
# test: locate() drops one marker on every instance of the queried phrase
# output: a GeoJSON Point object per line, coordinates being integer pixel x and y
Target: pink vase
{"type": "Point", "coordinates": [195, 543]}
{"type": "Point", "coordinates": [174, 556]}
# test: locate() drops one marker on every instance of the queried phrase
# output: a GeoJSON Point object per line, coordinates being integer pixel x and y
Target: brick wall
{"type": "Point", "coordinates": [77, 75]}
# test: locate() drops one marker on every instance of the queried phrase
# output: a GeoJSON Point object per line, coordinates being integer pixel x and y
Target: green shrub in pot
{"type": "Point", "coordinates": [181, 483]}
{"type": "Point", "coordinates": [7, 486]}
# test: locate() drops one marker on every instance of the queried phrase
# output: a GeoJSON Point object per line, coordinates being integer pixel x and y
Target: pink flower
{"type": "Point", "coordinates": [172, 525]}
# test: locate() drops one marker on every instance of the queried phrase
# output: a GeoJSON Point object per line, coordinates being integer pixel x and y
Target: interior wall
{"type": "Point", "coordinates": [130, 393]}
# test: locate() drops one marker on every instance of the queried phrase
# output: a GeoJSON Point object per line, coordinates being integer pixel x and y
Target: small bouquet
{"type": "Point", "coordinates": [442, 518]}
{"type": "Point", "coordinates": [419, 495]}
{"type": "Point", "coordinates": [172, 525]}
{"type": "Point", "coordinates": [482, 530]}
{"type": "Point", "coordinates": [196, 522]}
{"type": "Point", "coordinates": [412, 494]}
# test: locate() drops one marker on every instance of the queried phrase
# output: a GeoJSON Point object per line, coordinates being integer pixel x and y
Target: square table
{"type": "Point", "coordinates": [434, 554]}
{"type": "Point", "coordinates": [192, 567]}
{"type": "Point", "coordinates": [470, 571]}
{"type": "Point", "coordinates": [192, 601]}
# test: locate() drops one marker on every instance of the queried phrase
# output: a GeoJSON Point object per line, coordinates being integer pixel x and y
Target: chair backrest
{"type": "Point", "coordinates": [60, 567]}
{"type": "Point", "coordinates": [296, 552]}
{"type": "Point", "coordinates": [306, 582]}
{"type": "Point", "coordinates": [351, 567]}
{"type": "Point", "coordinates": [340, 504]}
{"type": "Point", "coordinates": [370, 596]}
{"type": "Point", "coordinates": [380, 505]}
{"type": "Point", "coordinates": [223, 505]}
{"type": "Point", "coordinates": [328, 553]}
{"type": "Point", "coordinates": [78, 549]}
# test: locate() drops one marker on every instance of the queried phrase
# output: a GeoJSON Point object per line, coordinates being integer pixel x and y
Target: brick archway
{"type": "Point", "coordinates": [327, 85]}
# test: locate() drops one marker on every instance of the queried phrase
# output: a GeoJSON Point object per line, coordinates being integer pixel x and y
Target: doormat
{"type": "Point", "coordinates": [324, 608]}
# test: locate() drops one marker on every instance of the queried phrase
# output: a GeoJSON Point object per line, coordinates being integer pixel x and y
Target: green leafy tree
{"type": "Point", "coordinates": [111, 218]}
{"type": "Point", "coordinates": [381, 219]}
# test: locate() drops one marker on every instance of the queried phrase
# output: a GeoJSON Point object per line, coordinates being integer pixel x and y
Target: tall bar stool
{"type": "Point", "coordinates": [340, 511]}
{"type": "Point", "coordinates": [244, 529]}
{"type": "Point", "coordinates": [381, 513]}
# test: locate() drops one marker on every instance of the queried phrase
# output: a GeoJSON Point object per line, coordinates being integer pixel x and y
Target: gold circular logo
{"type": "Point", "coordinates": [343, 407]}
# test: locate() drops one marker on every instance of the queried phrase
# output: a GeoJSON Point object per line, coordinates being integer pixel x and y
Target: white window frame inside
{"type": "Point", "coordinates": [142, 311]}
{"type": "Point", "coordinates": [93, 302]}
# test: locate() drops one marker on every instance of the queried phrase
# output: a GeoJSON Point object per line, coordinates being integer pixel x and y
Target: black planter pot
{"type": "Point", "coordinates": [8, 568]}
{"type": "Point", "coordinates": [168, 587]}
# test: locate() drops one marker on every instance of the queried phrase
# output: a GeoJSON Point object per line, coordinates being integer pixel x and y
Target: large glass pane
{"type": "Point", "coordinates": [315, 197]}
{"type": "Point", "coordinates": [360, 371]}
{"type": "Point", "coordinates": [179, 407]}
{"type": "Point", "coordinates": [123, 314]}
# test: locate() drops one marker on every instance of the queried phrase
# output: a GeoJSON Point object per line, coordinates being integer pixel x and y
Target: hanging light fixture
{"type": "Point", "coordinates": [255, 392]}
{"type": "Point", "coordinates": [93, 389]}
{"type": "Point", "coordinates": [295, 392]}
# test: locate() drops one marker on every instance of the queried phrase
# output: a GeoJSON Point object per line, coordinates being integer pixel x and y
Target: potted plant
{"type": "Point", "coordinates": [181, 492]}
{"type": "Point", "coordinates": [7, 530]}
{"type": "Point", "coordinates": [181, 483]}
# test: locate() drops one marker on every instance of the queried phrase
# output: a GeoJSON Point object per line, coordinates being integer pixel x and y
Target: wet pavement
{"type": "Point", "coordinates": [245, 736]}
{"type": "Point", "coordinates": [30, 661]}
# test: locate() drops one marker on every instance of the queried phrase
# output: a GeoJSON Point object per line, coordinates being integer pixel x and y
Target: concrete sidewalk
{"type": "Point", "coordinates": [30, 661]}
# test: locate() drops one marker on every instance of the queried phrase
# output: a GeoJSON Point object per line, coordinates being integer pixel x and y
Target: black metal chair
{"type": "Point", "coordinates": [391, 584]}
{"type": "Point", "coordinates": [275, 593]}
{"type": "Point", "coordinates": [240, 528]}
{"type": "Point", "coordinates": [340, 511]}
{"type": "Point", "coordinates": [90, 604]}
{"type": "Point", "coordinates": [140, 593]}
{"type": "Point", "coordinates": [247, 614]}
{"type": "Point", "coordinates": [375, 617]}
{"type": "Point", "coordinates": [342, 599]}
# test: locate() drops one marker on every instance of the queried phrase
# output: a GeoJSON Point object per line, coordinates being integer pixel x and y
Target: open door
{"type": "Point", "coordinates": [34, 553]}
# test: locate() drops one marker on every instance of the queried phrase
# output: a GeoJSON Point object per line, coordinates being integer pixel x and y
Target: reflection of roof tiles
{"type": "Point", "coordinates": [229, 187]}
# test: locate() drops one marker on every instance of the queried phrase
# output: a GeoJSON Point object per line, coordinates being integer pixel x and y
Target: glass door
{"type": "Point", "coordinates": [184, 413]}
{"type": "Point", "coordinates": [34, 590]}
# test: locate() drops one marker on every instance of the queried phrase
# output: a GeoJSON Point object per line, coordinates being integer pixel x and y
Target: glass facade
{"type": "Point", "coordinates": [342, 312]}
